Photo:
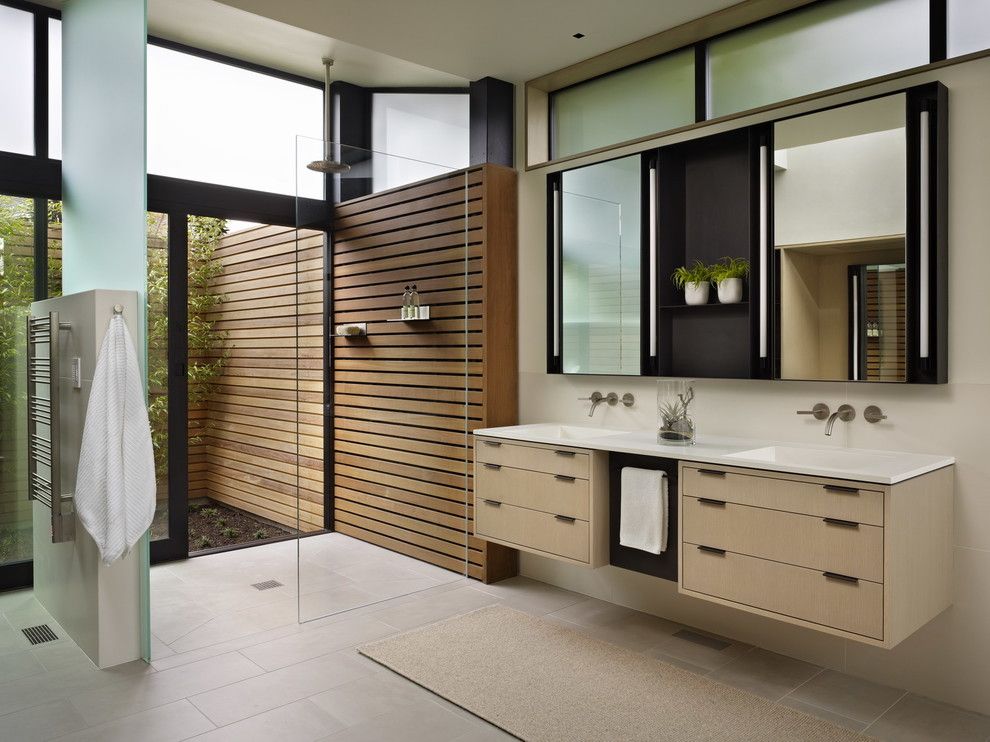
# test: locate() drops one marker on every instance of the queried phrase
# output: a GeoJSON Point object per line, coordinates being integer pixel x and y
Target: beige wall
{"type": "Point", "coordinates": [949, 659]}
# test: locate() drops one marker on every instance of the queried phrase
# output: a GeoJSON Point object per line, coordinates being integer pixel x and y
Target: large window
{"type": "Point", "coordinates": [627, 104]}
{"type": "Point", "coordinates": [421, 130]}
{"type": "Point", "coordinates": [825, 46]}
{"type": "Point", "coordinates": [16, 81]}
{"type": "Point", "coordinates": [969, 26]}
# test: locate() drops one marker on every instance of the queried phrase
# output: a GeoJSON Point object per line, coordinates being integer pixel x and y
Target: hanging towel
{"type": "Point", "coordinates": [115, 483]}
{"type": "Point", "coordinates": [643, 510]}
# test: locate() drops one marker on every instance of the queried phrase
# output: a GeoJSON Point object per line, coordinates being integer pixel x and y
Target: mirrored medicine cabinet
{"type": "Point", "coordinates": [840, 213]}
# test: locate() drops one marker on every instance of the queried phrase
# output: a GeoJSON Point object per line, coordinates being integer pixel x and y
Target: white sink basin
{"type": "Point", "coordinates": [569, 432]}
{"type": "Point", "coordinates": [819, 458]}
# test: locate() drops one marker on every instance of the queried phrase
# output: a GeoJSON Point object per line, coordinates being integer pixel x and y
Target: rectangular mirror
{"type": "Point", "coordinates": [596, 268]}
{"type": "Point", "coordinates": [840, 194]}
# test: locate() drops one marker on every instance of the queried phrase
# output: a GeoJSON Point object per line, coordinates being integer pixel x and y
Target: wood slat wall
{"type": "Point", "coordinates": [270, 281]}
{"type": "Point", "coordinates": [406, 396]}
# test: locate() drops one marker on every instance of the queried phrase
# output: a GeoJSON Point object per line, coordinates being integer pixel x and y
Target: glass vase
{"type": "Point", "coordinates": [675, 416]}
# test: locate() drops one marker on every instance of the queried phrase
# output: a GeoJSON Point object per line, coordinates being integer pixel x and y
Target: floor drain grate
{"type": "Point", "coordinates": [40, 634]}
{"type": "Point", "coordinates": [705, 641]}
{"type": "Point", "coordinates": [266, 585]}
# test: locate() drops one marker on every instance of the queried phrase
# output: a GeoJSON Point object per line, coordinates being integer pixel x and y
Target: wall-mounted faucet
{"type": "Point", "coordinates": [845, 413]}
{"type": "Point", "coordinates": [611, 399]}
{"type": "Point", "coordinates": [819, 411]}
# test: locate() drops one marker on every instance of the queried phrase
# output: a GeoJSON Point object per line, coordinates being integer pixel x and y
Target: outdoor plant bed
{"type": "Point", "coordinates": [213, 525]}
{"type": "Point", "coordinates": [15, 544]}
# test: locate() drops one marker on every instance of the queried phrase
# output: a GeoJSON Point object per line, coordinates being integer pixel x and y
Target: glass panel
{"type": "Point", "coordinates": [399, 453]}
{"type": "Point", "coordinates": [969, 26]}
{"type": "Point", "coordinates": [216, 123]}
{"type": "Point", "coordinates": [16, 295]}
{"type": "Point", "coordinates": [55, 88]}
{"type": "Point", "coordinates": [17, 80]}
{"type": "Point", "coordinates": [821, 47]}
{"type": "Point", "coordinates": [634, 102]}
{"type": "Point", "coordinates": [157, 339]}
{"type": "Point", "coordinates": [600, 226]}
{"type": "Point", "coordinates": [417, 130]}
{"type": "Point", "coordinates": [840, 193]}
{"type": "Point", "coordinates": [54, 248]}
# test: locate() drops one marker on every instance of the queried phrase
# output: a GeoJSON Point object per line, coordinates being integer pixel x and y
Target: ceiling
{"type": "Point", "coordinates": [515, 40]}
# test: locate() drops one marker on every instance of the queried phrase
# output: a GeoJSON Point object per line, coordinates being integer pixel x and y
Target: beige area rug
{"type": "Point", "coordinates": [544, 682]}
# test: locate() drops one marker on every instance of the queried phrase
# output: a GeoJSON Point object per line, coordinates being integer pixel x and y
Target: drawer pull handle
{"type": "Point", "coordinates": [712, 472]}
{"type": "Point", "coordinates": [841, 489]}
{"type": "Point", "coordinates": [565, 518]}
{"type": "Point", "coordinates": [494, 444]}
{"type": "Point", "coordinates": [840, 578]}
{"type": "Point", "coordinates": [842, 523]}
{"type": "Point", "coordinates": [712, 550]}
{"type": "Point", "coordinates": [496, 467]}
{"type": "Point", "coordinates": [564, 453]}
{"type": "Point", "coordinates": [493, 503]}
{"type": "Point", "coordinates": [709, 501]}
{"type": "Point", "coordinates": [563, 478]}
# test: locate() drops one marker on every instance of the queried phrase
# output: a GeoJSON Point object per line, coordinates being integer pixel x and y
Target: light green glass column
{"type": "Point", "coordinates": [103, 167]}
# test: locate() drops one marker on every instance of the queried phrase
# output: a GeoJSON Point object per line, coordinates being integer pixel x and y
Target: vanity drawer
{"type": "Point", "coordinates": [796, 592]}
{"type": "Point", "coordinates": [531, 529]}
{"type": "Point", "coordinates": [557, 494]}
{"type": "Point", "coordinates": [850, 501]}
{"type": "Point", "coordinates": [549, 460]}
{"type": "Point", "coordinates": [845, 547]}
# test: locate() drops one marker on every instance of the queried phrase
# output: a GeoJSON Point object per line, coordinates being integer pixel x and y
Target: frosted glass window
{"type": "Point", "coordinates": [824, 46]}
{"type": "Point", "coordinates": [216, 123]}
{"type": "Point", "coordinates": [16, 81]}
{"type": "Point", "coordinates": [969, 26]}
{"type": "Point", "coordinates": [55, 89]}
{"type": "Point", "coordinates": [420, 131]}
{"type": "Point", "coordinates": [637, 101]}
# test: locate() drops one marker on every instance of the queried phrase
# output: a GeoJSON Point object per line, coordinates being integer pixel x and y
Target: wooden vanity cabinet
{"type": "Point", "coordinates": [864, 561]}
{"type": "Point", "coordinates": [548, 500]}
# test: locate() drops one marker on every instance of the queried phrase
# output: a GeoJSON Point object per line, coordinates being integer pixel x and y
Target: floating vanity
{"type": "Point", "coordinates": [850, 542]}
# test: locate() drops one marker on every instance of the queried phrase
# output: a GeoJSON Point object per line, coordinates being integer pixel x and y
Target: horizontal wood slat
{"type": "Point", "coordinates": [407, 395]}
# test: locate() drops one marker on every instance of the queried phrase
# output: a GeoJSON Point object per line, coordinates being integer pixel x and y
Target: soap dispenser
{"type": "Point", "coordinates": [406, 304]}
{"type": "Point", "coordinates": [414, 301]}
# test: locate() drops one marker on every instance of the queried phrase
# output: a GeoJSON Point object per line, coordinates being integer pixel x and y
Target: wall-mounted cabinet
{"type": "Point", "coordinates": [840, 213]}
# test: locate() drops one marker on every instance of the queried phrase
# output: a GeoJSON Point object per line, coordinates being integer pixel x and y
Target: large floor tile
{"type": "Point", "coordinates": [18, 665]}
{"type": "Point", "coordinates": [838, 719]}
{"type": "Point", "coordinates": [306, 645]}
{"type": "Point", "coordinates": [848, 696]}
{"type": "Point", "coordinates": [369, 697]}
{"type": "Point", "coordinates": [263, 693]}
{"type": "Point", "coordinates": [592, 612]}
{"type": "Point", "coordinates": [531, 596]}
{"type": "Point", "coordinates": [159, 688]}
{"type": "Point", "coordinates": [706, 655]}
{"type": "Point", "coordinates": [765, 673]}
{"type": "Point", "coordinates": [52, 686]}
{"type": "Point", "coordinates": [435, 608]}
{"type": "Point", "coordinates": [426, 722]}
{"type": "Point", "coordinates": [41, 722]}
{"type": "Point", "coordinates": [301, 721]}
{"type": "Point", "coordinates": [169, 723]}
{"type": "Point", "coordinates": [916, 719]}
{"type": "Point", "coordinates": [240, 624]}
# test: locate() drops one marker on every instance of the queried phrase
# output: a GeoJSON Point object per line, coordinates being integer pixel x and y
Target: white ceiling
{"type": "Point", "coordinates": [422, 42]}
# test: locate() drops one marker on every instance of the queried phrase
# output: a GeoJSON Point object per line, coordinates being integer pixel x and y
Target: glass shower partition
{"type": "Point", "coordinates": [384, 455]}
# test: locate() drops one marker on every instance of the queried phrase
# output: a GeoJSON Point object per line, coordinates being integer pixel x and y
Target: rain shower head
{"type": "Point", "coordinates": [328, 165]}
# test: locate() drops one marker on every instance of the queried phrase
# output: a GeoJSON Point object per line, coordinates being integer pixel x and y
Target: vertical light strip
{"type": "Point", "coordinates": [763, 251]}
{"type": "Point", "coordinates": [923, 239]}
{"type": "Point", "coordinates": [556, 269]}
{"type": "Point", "coordinates": [855, 326]}
{"type": "Point", "coordinates": [653, 261]}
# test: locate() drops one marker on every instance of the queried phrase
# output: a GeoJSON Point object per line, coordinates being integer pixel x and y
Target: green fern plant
{"type": "Point", "coordinates": [698, 272]}
{"type": "Point", "coordinates": [729, 268]}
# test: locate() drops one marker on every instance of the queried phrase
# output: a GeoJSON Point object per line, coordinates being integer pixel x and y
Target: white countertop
{"type": "Point", "coordinates": [862, 465]}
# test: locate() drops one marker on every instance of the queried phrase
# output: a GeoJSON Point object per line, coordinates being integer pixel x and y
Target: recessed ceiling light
{"type": "Point", "coordinates": [579, 35]}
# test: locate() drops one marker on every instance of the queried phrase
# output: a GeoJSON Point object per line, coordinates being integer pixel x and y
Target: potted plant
{"type": "Point", "coordinates": [728, 275]}
{"type": "Point", "coordinates": [695, 281]}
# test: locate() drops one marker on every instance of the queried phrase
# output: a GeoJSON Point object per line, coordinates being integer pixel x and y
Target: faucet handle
{"type": "Point", "coordinates": [873, 414]}
{"type": "Point", "coordinates": [595, 397]}
{"type": "Point", "coordinates": [820, 411]}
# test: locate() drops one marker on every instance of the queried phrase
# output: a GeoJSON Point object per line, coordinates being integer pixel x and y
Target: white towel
{"type": "Point", "coordinates": [115, 483]}
{"type": "Point", "coordinates": [643, 510]}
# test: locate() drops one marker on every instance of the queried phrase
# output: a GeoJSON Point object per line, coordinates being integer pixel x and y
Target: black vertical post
{"type": "Point", "coordinates": [41, 85]}
{"type": "Point", "coordinates": [350, 111]}
{"type": "Point", "coordinates": [492, 114]}
{"type": "Point", "coordinates": [938, 30]}
{"type": "Point", "coordinates": [701, 81]}
{"type": "Point", "coordinates": [40, 248]}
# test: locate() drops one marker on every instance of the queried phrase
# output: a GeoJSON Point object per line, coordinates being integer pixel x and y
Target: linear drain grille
{"type": "Point", "coordinates": [706, 641]}
{"type": "Point", "coordinates": [266, 585]}
{"type": "Point", "coordinates": [40, 634]}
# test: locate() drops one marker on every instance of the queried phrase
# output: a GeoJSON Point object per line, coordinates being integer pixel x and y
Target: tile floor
{"type": "Point", "coordinates": [234, 663]}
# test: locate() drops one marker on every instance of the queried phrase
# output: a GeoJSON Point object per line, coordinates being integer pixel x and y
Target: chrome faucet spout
{"type": "Point", "coordinates": [844, 413]}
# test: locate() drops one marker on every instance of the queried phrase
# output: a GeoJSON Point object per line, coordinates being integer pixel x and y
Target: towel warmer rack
{"type": "Point", "coordinates": [43, 417]}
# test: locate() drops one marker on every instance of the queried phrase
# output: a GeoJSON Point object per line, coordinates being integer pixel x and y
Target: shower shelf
{"type": "Point", "coordinates": [424, 316]}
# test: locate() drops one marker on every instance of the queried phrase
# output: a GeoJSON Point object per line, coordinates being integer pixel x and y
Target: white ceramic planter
{"type": "Point", "coordinates": [696, 292]}
{"type": "Point", "coordinates": [730, 291]}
